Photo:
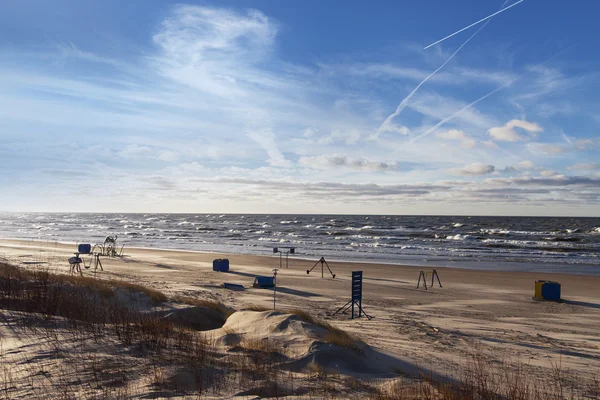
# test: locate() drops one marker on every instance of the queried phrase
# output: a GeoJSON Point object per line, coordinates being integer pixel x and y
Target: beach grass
{"type": "Point", "coordinates": [90, 343]}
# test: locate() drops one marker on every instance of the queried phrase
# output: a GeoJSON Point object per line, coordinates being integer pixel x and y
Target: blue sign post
{"type": "Point", "coordinates": [356, 297]}
{"type": "Point", "coordinates": [356, 291]}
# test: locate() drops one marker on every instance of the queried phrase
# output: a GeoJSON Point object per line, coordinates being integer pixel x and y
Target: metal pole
{"type": "Point", "coordinates": [274, 286]}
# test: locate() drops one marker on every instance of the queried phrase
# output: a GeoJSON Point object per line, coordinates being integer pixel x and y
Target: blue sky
{"type": "Point", "coordinates": [300, 107]}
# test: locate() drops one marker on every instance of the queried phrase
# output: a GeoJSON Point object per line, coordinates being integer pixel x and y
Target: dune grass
{"type": "Point", "coordinates": [213, 305]}
{"type": "Point", "coordinates": [97, 347]}
{"type": "Point", "coordinates": [333, 335]}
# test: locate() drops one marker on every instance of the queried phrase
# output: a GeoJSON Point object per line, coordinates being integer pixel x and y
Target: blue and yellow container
{"type": "Point", "coordinates": [547, 290]}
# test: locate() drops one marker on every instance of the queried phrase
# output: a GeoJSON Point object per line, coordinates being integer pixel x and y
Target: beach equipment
{"type": "Point", "coordinates": [221, 265]}
{"type": "Point", "coordinates": [356, 300]}
{"type": "Point", "coordinates": [75, 265]}
{"type": "Point", "coordinates": [84, 248]}
{"type": "Point", "coordinates": [233, 286]}
{"type": "Point", "coordinates": [109, 248]}
{"type": "Point", "coordinates": [290, 250]}
{"type": "Point", "coordinates": [323, 262]}
{"type": "Point", "coordinates": [275, 270]}
{"type": "Point", "coordinates": [264, 282]}
{"type": "Point", "coordinates": [424, 275]}
{"type": "Point", "coordinates": [547, 290]}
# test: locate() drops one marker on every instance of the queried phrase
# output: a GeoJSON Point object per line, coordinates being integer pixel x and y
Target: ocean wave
{"type": "Point", "coordinates": [500, 231]}
{"type": "Point", "coordinates": [459, 237]}
{"type": "Point", "coordinates": [353, 228]}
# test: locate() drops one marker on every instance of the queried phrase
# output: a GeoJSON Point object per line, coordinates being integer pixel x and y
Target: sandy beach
{"type": "Point", "coordinates": [488, 313]}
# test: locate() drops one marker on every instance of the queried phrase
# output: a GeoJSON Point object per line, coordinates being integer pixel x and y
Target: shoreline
{"type": "Point", "coordinates": [462, 264]}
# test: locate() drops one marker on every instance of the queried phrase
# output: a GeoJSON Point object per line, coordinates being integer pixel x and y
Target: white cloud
{"type": "Point", "coordinates": [526, 164]}
{"type": "Point", "coordinates": [343, 161]}
{"type": "Point", "coordinates": [474, 169]}
{"type": "Point", "coordinates": [584, 166]}
{"type": "Point", "coordinates": [390, 127]}
{"type": "Point", "coordinates": [308, 132]}
{"type": "Point", "coordinates": [507, 132]}
{"type": "Point", "coordinates": [548, 173]}
{"type": "Point", "coordinates": [455, 134]}
{"type": "Point", "coordinates": [489, 144]}
{"type": "Point", "coordinates": [546, 148]}
{"type": "Point", "coordinates": [266, 139]}
{"type": "Point", "coordinates": [346, 136]}
{"type": "Point", "coordinates": [586, 144]}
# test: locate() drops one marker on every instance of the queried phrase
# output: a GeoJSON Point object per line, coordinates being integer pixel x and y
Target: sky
{"type": "Point", "coordinates": [300, 107]}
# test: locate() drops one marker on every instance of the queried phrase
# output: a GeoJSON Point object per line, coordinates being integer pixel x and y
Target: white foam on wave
{"type": "Point", "coordinates": [459, 237]}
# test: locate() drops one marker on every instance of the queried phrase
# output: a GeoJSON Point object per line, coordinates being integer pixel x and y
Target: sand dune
{"type": "Point", "coordinates": [490, 313]}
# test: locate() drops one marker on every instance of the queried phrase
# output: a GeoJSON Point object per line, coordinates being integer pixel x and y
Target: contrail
{"type": "Point", "coordinates": [473, 24]}
{"type": "Point", "coordinates": [404, 102]}
{"type": "Point", "coordinates": [428, 131]}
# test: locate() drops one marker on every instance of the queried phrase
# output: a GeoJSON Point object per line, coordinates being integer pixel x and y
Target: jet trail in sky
{"type": "Point", "coordinates": [404, 102]}
{"type": "Point", "coordinates": [473, 24]}
{"type": "Point", "coordinates": [433, 128]}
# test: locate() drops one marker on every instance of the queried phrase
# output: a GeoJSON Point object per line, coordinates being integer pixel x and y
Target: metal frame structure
{"type": "Point", "coordinates": [323, 262]}
{"type": "Point", "coordinates": [356, 297]}
{"type": "Point", "coordinates": [434, 274]}
{"type": "Point", "coordinates": [290, 250]}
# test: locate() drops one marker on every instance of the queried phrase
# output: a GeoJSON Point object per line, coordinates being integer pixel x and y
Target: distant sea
{"type": "Point", "coordinates": [545, 244]}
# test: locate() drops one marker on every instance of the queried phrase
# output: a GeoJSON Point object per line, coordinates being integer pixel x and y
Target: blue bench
{"type": "Point", "coordinates": [233, 286]}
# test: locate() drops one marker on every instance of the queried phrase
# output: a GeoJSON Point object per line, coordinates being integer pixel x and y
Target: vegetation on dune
{"type": "Point", "coordinates": [89, 344]}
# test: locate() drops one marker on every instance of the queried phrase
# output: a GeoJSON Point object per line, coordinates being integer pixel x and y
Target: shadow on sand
{"type": "Point", "coordinates": [581, 303]}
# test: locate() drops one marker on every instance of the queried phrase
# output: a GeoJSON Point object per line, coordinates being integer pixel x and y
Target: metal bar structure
{"type": "Point", "coordinates": [290, 250]}
{"type": "Point", "coordinates": [434, 275]}
{"type": "Point", "coordinates": [323, 263]}
{"type": "Point", "coordinates": [356, 303]}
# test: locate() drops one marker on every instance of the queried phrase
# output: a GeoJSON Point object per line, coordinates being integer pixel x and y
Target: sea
{"type": "Point", "coordinates": [536, 244]}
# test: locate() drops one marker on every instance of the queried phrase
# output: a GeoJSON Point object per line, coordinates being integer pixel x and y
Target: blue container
{"type": "Point", "coordinates": [551, 291]}
{"type": "Point", "coordinates": [221, 265]}
{"type": "Point", "coordinates": [84, 248]}
{"type": "Point", "coordinates": [264, 282]}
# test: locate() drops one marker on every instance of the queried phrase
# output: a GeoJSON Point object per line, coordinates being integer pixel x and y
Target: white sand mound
{"type": "Point", "coordinates": [305, 345]}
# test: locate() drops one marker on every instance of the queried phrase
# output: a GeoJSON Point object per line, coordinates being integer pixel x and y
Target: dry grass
{"type": "Point", "coordinates": [88, 345]}
{"type": "Point", "coordinates": [256, 307]}
{"type": "Point", "coordinates": [104, 287]}
{"type": "Point", "coordinates": [213, 305]}
{"type": "Point", "coordinates": [334, 335]}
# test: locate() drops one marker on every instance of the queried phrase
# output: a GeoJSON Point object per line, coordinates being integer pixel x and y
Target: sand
{"type": "Point", "coordinates": [491, 314]}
